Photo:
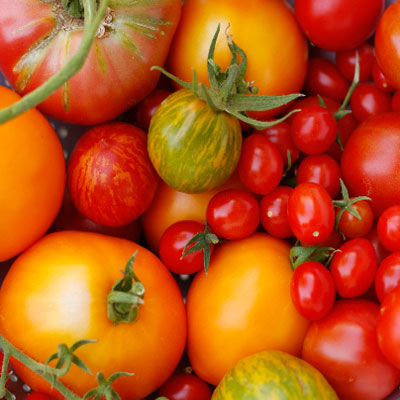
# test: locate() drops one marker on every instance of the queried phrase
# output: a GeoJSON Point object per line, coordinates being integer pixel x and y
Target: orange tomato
{"type": "Point", "coordinates": [267, 31]}
{"type": "Point", "coordinates": [242, 306]}
{"type": "Point", "coordinates": [56, 292]}
{"type": "Point", "coordinates": [32, 176]}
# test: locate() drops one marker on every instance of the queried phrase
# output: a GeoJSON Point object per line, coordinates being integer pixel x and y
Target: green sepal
{"type": "Point", "coordinates": [104, 388]}
{"type": "Point", "coordinates": [300, 254]}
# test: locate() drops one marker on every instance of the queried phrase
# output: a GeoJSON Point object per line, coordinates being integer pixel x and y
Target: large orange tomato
{"type": "Point", "coordinates": [56, 292]}
{"type": "Point", "coordinates": [242, 306]}
{"type": "Point", "coordinates": [32, 176]}
{"type": "Point", "coordinates": [266, 30]}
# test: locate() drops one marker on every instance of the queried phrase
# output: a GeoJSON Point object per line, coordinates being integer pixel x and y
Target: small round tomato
{"type": "Point", "coordinates": [233, 214]}
{"type": "Point", "coordinates": [312, 290]}
{"type": "Point", "coordinates": [380, 79]}
{"type": "Point", "coordinates": [38, 396]}
{"type": "Point", "coordinates": [343, 346]}
{"type": "Point", "coordinates": [353, 267]}
{"type": "Point", "coordinates": [173, 242]}
{"type": "Point", "coordinates": [310, 213]}
{"type": "Point", "coordinates": [388, 275]}
{"type": "Point", "coordinates": [185, 386]}
{"type": "Point", "coordinates": [373, 237]}
{"type": "Point", "coordinates": [389, 228]}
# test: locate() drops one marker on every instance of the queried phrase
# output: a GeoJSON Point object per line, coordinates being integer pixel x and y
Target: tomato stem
{"type": "Point", "coordinates": [93, 18]}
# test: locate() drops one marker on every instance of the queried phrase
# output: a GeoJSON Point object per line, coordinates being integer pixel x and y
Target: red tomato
{"type": "Point", "coordinates": [388, 275]}
{"type": "Point", "coordinates": [380, 251]}
{"type": "Point", "coordinates": [338, 24]}
{"type": "Point", "coordinates": [343, 346]}
{"type": "Point", "coordinates": [233, 214]}
{"type": "Point", "coordinates": [389, 228]}
{"type": "Point", "coordinates": [353, 267]}
{"type": "Point", "coordinates": [38, 396]}
{"type": "Point", "coordinates": [380, 79]}
{"type": "Point", "coordinates": [310, 212]}
{"type": "Point", "coordinates": [110, 177]}
{"type": "Point", "coordinates": [185, 386]}
{"type": "Point", "coordinates": [116, 74]}
{"type": "Point", "coordinates": [173, 242]}
{"type": "Point", "coordinates": [396, 101]}
{"type": "Point", "coordinates": [371, 163]}
{"type": "Point", "coordinates": [312, 290]}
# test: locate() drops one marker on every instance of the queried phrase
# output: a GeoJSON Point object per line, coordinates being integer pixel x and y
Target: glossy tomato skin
{"type": "Point", "coordinates": [388, 275]}
{"type": "Point", "coordinates": [116, 74]}
{"type": "Point", "coordinates": [68, 276]}
{"type": "Point", "coordinates": [338, 24]}
{"type": "Point", "coordinates": [343, 346]}
{"type": "Point", "coordinates": [32, 178]}
{"type": "Point", "coordinates": [370, 161]}
{"type": "Point", "coordinates": [380, 79]}
{"type": "Point", "coordinates": [242, 306]}
{"type": "Point", "coordinates": [110, 177]}
{"type": "Point", "coordinates": [185, 386]}
{"type": "Point", "coordinates": [258, 27]}
{"type": "Point", "coordinates": [389, 228]}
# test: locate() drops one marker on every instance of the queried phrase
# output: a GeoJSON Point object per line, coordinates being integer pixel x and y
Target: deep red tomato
{"type": "Point", "coordinates": [260, 165]}
{"type": "Point", "coordinates": [380, 79]}
{"type": "Point", "coordinates": [396, 101]}
{"type": "Point", "coordinates": [38, 396]}
{"type": "Point", "coordinates": [389, 228]}
{"type": "Point", "coordinates": [371, 163]}
{"type": "Point", "coordinates": [273, 212]}
{"type": "Point", "coordinates": [110, 177]}
{"type": "Point", "coordinates": [233, 214]}
{"type": "Point", "coordinates": [322, 169]}
{"type": "Point", "coordinates": [343, 346]}
{"type": "Point", "coordinates": [172, 243]}
{"type": "Point", "coordinates": [37, 38]}
{"type": "Point", "coordinates": [338, 24]}
{"type": "Point", "coordinates": [368, 101]}
{"type": "Point", "coordinates": [185, 386]}
{"type": "Point", "coordinates": [353, 267]}
{"type": "Point", "coordinates": [312, 290]}
{"type": "Point", "coordinates": [310, 213]}
{"type": "Point", "coordinates": [324, 78]}
{"type": "Point", "coordinates": [380, 251]}
{"type": "Point", "coordinates": [388, 275]}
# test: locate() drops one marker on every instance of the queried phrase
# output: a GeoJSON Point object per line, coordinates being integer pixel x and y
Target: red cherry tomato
{"type": "Point", "coordinates": [343, 346]}
{"type": "Point", "coordinates": [353, 267]}
{"type": "Point", "coordinates": [389, 228]}
{"type": "Point", "coordinates": [380, 80]}
{"type": "Point", "coordinates": [172, 243]}
{"type": "Point", "coordinates": [312, 290]}
{"type": "Point", "coordinates": [233, 214]}
{"type": "Point", "coordinates": [38, 396]}
{"type": "Point", "coordinates": [310, 213]}
{"type": "Point", "coordinates": [273, 212]}
{"type": "Point", "coordinates": [388, 275]}
{"type": "Point", "coordinates": [185, 386]}
{"type": "Point", "coordinates": [321, 169]}
{"type": "Point", "coordinates": [373, 237]}
{"type": "Point", "coordinates": [396, 101]}
{"type": "Point", "coordinates": [260, 165]}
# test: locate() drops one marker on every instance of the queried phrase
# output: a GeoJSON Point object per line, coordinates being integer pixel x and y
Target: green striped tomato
{"type": "Point", "coordinates": [192, 147]}
{"type": "Point", "coordinates": [274, 375]}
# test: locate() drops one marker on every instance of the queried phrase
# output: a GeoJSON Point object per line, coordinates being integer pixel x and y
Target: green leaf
{"type": "Point", "coordinates": [246, 102]}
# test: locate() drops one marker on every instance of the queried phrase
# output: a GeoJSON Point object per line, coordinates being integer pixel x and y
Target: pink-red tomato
{"type": "Point", "coordinates": [389, 228]}
{"type": "Point", "coordinates": [388, 275]}
{"type": "Point", "coordinates": [183, 386]}
{"type": "Point", "coordinates": [110, 177]}
{"type": "Point", "coordinates": [343, 346]}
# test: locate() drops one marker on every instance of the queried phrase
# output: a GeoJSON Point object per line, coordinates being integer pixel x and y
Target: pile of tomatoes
{"type": "Point", "coordinates": [177, 233]}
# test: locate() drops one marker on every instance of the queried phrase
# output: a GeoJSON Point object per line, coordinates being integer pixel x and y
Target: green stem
{"type": "Point", "coordinates": [93, 18]}
{"type": "Point", "coordinates": [4, 373]}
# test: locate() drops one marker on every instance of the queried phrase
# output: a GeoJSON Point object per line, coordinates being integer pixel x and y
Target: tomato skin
{"type": "Point", "coordinates": [272, 23]}
{"type": "Point", "coordinates": [110, 177]}
{"type": "Point", "coordinates": [388, 275]}
{"type": "Point", "coordinates": [185, 386]}
{"type": "Point", "coordinates": [67, 277]}
{"type": "Point", "coordinates": [338, 25]}
{"type": "Point", "coordinates": [389, 228]}
{"type": "Point", "coordinates": [343, 346]}
{"type": "Point", "coordinates": [226, 323]}
{"type": "Point", "coordinates": [115, 75]}
{"type": "Point", "coordinates": [38, 396]}
{"type": "Point", "coordinates": [32, 177]}
{"type": "Point", "coordinates": [373, 237]}
{"type": "Point", "coordinates": [380, 79]}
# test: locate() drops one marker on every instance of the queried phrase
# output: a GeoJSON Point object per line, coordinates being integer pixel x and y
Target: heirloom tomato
{"type": "Point", "coordinates": [60, 287]}
{"type": "Point", "coordinates": [242, 306]}
{"type": "Point", "coordinates": [38, 37]}
{"type": "Point", "coordinates": [32, 176]}
{"type": "Point", "coordinates": [267, 32]}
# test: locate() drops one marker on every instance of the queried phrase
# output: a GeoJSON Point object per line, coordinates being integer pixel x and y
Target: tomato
{"type": "Point", "coordinates": [242, 306]}
{"type": "Point", "coordinates": [310, 213]}
{"type": "Point", "coordinates": [32, 178]}
{"type": "Point", "coordinates": [343, 346]}
{"type": "Point", "coordinates": [388, 275]}
{"type": "Point", "coordinates": [370, 161]}
{"type": "Point", "coordinates": [338, 24]}
{"type": "Point", "coordinates": [116, 74]}
{"type": "Point", "coordinates": [38, 396]}
{"type": "Point", "coordinates": [389, 228]}
{"type": "Point", "coordinates": [396, 101]}
{"type": "Point", "coordinates": [380, 79]}
{"type": "Point", "coordinates": [353, 267]}
{"type": "Point", "coordinates": [185, 386]}
{"type": "Point", "coordinates": [380, 251]}
{"type": "Point", "coordinates": [110, 177]}
{"type": "Point", "coordinates": [312, 290]}
{"type": "Point", "coordinates": [267, 32]}
{"type": "Point", "coordinates": [60, 287]}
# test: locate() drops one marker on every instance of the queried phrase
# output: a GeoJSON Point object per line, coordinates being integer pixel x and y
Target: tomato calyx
{"type": "Point", "coordinates": [126, 296]}
{"type": "Point", "coordinates": [104, 388]}
{"type": "Point", "coordinates": [228, 90]}
{"type": "Point", "coordinates": [301, 254]}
